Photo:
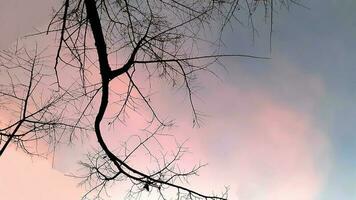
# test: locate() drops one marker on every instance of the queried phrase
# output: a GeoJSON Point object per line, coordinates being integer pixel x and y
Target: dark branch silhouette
{"type": "Point", "coordinates": [161, 40]}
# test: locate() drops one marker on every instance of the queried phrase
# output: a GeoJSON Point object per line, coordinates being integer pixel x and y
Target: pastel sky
{"type": "Point", "coordinates": [281, 129]}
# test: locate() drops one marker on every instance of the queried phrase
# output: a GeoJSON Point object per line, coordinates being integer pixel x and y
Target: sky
{"type": "Point", "coordinates": [275, 129]}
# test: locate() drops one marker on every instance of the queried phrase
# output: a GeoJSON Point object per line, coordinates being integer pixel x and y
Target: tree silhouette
{"type": "Point", "coordinates": [157, 40]}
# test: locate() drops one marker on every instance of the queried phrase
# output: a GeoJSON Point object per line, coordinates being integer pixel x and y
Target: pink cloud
{"type": "Point", "coordinates": [275, 156]}
{"type": "Point", "coordinates": [255, 140]}
{"type": "Point", "coordinates": [262, 148]}
{"type": "Point", "coordinates": [22, 178]}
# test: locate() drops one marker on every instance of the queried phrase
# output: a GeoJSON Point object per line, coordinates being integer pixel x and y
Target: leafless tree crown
{"type": "Point", "coordinates": [103, 45]}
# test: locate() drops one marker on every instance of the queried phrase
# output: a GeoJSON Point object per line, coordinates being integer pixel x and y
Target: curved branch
{"type": "Point", "coordinates": [106, 76]}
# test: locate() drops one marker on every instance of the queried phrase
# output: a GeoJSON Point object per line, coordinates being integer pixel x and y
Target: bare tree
{"type": "Point", "coordinates": [30, 116]}
{"type": "Point", "coordinates": [155, 40]}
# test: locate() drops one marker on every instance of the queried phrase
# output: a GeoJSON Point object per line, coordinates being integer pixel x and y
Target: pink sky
{"type": "Point", "coordinates": [24, 178]}
{"type": "Point", "coordinates": [259, 146]}
{"type": "Point", "coordinates": [263, 148]}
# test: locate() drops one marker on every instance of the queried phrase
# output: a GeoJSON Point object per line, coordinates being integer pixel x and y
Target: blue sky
{"type": "Point", "coordinates": [322, 42]}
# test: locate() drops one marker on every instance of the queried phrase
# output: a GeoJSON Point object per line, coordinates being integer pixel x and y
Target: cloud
{"type": "Point", "coordinates": [266, 146]}
{"type": "Point", "coordinates": [22, 178]}
{"type": "Point", "coordinates": [261, 137]}
{"type": "Point", "coordinates": [263, 149]}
